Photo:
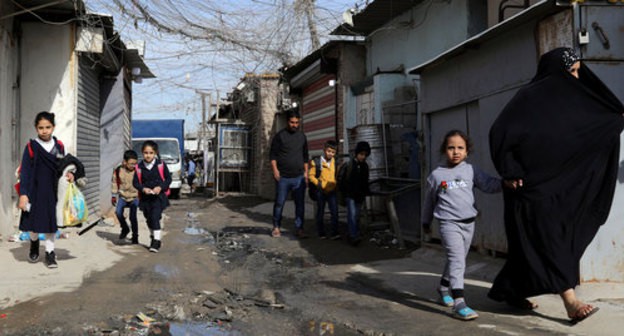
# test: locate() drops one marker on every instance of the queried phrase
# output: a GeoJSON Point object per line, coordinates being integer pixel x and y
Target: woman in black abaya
{"type": "Point", "coordinates": [558, 140]}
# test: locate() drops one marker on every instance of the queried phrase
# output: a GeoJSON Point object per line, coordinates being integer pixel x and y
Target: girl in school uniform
{"type": "Point", "coordinates": [38, 186]}
{"type": "Point", "coordinates": [152, 180]}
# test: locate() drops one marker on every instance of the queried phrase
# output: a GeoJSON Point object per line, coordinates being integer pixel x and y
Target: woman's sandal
{"type": "Point", "coordinates": [522, 304]}
{"type": "Point", "coordinates": [579, 314]}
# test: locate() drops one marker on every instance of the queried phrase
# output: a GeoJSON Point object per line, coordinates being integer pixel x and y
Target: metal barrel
{"type": "Point", "coordinates": [378, 137]}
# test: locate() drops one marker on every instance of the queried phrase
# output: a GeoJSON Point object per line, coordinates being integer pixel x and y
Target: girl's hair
{"type": "Point", "coordinates": [150, 143]}
{"type": "Point", "coordinates": [454, 133]}
{"type": "Point", "coordinates": [49, 116]}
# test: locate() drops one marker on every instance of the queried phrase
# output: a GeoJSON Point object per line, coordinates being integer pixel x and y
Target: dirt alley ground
{"type": "Point", "coordinates": [226, 272]}
{"type": "Point", "coordinates": [220, 273]}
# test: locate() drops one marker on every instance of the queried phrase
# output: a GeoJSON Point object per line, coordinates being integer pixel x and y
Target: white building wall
{"type": "Point", "coordinates": [48, 74]}
{"type": "Point", "coordinates": [8, 149]}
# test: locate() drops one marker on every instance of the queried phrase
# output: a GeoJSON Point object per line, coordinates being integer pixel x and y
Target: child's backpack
{"type": "Point", "coordinates": [31, 153]}
{"type": "Point", "coordinates": [161, 171]}
{"type": "Point", "coordinates": [312, 188]}
{"type": "Point", "coordinates": [117, 178]}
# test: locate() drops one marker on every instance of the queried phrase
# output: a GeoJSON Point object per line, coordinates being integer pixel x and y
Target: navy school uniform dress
{"type": "Point", "coordinates": [152, 206]}
{"type": "Point", "coordinates": [39, 181]}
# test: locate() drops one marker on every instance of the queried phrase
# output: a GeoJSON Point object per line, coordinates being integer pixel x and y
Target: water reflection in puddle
{"type": "Point", "coordinates": [200, 329]}
{"type": "Point", "coordinates": [166, 271]}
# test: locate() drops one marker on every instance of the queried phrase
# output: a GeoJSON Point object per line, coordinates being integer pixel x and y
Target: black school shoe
{"type": "Point", "coordinates": [33, 256]}
{"type": "Point", "coordinates": [51, 259]}
{"type": "Point", "coordinates": [155, 246]}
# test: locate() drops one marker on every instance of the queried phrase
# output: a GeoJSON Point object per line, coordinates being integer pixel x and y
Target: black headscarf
{"type": "Point", "coordinates": [560, 135]}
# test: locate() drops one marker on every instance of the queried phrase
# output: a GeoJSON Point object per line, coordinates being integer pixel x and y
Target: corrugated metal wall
{"type": "Point", "coordinates": [319, 114]}
{"type": "Point", "coordinates": [89, 133]}
{"type": "Point", "coordinates": [114, 130]}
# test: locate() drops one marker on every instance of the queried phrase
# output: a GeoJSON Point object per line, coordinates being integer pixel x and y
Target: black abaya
{"type": "Point", "coordinates": [561, 136]}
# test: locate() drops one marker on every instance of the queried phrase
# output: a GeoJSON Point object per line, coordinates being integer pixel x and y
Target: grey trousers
{"type": "Point", "coordinates": [456, 239]}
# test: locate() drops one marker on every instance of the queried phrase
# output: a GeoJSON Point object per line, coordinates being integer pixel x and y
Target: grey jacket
{"type": "Point", "coordinates": [449, 192]}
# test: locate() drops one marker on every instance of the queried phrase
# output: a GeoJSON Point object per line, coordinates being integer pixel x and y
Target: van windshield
{"type": "Point", "coordinates": [168, 149]}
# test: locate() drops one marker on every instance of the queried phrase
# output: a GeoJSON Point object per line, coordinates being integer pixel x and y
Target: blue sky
{"type": "Point", "coordinates": [200, 61]}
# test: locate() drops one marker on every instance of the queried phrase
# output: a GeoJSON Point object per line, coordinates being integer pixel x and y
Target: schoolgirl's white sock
{"type": "Point", "coordinates": [49, 242]}
{"type": "Point", "coordinates": [34, 236]}
{"type": "Point", "coordinates": [157, 234]}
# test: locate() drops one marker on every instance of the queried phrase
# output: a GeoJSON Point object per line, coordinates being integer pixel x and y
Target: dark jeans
{"type": "Point", "coordinates": [282, 187]}
{"type": "Point", "coordinates": [189, 179]}
{"type": "Point", "coordinates": [353, 217]}
{"type": "Point", "coordinates": [119, 212]}
{"type": "Point", "coordinates": [332, 203]}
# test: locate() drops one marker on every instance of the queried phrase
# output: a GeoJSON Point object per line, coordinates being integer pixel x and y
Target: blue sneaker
{"type": "Point", "coordinates": [445, 299]}
{"type": "Point", "coordinates": [465, 314]}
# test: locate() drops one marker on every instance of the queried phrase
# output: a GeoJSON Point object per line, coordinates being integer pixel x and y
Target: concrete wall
{"type": "Point", "coordinates": [49, 80]}
{"type": "Point", "coordinates": [420, 34]}
{"type": "Point", "coordinates": [8, 117]}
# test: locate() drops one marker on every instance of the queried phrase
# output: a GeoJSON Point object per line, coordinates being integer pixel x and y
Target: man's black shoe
{"type": "Point", "coordinates": [124, 233]}
{"type": "Point", "coordinates": [33, 256]}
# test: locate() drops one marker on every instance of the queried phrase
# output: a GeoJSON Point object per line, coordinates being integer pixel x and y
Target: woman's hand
{"type": "Point", "coordinates": [70, 177]}
{"type": "Point", "coordinates": [148, 191]}
{"type": "Point", "coordinates": [157, 190]}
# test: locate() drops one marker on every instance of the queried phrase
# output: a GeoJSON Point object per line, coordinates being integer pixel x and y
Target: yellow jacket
{"type": "Point", "coordinates": [327, 180]}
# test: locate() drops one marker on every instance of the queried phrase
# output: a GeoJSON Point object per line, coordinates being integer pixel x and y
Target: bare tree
{"type": "Point", "coordinates": [203, 43]}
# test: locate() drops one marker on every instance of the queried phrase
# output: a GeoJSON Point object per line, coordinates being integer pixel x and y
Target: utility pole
{"type": "Point", "coordinates": [203, 137]}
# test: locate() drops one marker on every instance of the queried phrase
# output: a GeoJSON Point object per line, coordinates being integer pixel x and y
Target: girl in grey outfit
{"type": "Point", "coordinates": [450, 199]}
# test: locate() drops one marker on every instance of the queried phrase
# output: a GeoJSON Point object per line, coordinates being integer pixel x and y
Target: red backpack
{"type": "Point", "coordinates": [161, 171]}
{"type": "Point", "coordinates": [31, 153]}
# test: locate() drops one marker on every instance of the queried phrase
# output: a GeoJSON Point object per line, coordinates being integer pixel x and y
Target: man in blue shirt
{"type": "Point", "coordinates": [190, 172]}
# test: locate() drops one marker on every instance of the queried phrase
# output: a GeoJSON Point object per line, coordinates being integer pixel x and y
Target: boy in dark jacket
{"type": "Point", "coordinates": [353, 183]}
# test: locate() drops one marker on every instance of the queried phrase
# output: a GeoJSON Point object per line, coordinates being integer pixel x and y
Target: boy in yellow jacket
{"type": "Point", "coordinates": [322, 177]}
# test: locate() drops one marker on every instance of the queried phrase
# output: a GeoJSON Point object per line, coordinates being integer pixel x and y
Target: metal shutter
{"type": "Point", "coordinates": [319, 114]}
{"type": "Point", "coordinates": [89, 133]}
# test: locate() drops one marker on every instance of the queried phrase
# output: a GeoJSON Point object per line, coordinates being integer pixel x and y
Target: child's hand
{"type": "Point", "coordinates": [70, 177]}
{"type": "Point", "coordinates": [23, 200]}
{"type": "Point", "coordinates": [513, 184]}
{"type": "Point", "coordinates": [157, 190]}
{"type": "Point", "coordinates": [148, 191]}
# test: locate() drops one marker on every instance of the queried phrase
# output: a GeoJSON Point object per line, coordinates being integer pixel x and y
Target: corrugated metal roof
{"type": "Point", "coordinates": [58, 9]}
{"type": "Point", "coordinates": [374, 16]}
{"type": "Point", "coordinates": [63, 10]}
{"type": "Point", "coordinates": [301, 66]}
{"type": "Point", "coordinates": [540, 9]}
